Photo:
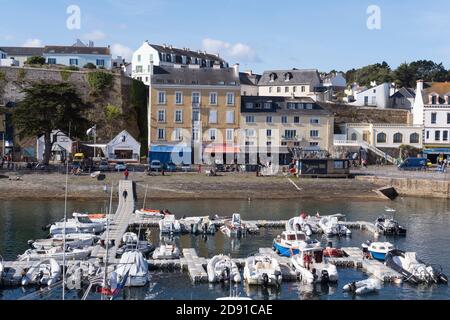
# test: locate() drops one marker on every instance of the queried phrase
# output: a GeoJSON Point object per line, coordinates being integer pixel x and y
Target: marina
{"type": "Point", "coordinates": [194, 264]}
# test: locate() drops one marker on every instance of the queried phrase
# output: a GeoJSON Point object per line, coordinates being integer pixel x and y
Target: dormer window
{"type": "Point", "coordinates": [273, 77]}
{"type": "Point", "coordinates": [434, 99]}
{"type": "Point", "coordinates": [447, 98]}
{"type": "Point", "coordinates": [288, 76]}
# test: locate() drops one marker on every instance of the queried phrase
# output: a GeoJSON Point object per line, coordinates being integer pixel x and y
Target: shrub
{"type": "Point", "coordinates": [21, 75]}
{"type": "Point", "coordinates": [65, 74]}
{"type": "Point", "coordinates": [90, 66]}
{"type": "Point", "coordinates": [112, 112]}
{"type": "Point", "coordinates": [36, 60]}
{"type": "Point", "coordinates": [2, 76]}
{"type": "Point", "coordinates": [99, 81]}
{"type": "Point", "coordinates": [72, 68]}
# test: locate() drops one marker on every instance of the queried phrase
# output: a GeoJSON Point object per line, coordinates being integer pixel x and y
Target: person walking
{"type": "Point", "coordinates": [125, 194]}
{"type": "Point", "coordinates": [126, 174]}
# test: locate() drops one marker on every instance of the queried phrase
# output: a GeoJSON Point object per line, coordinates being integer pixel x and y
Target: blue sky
{"type": "Point", "coordinates": [260, 35]}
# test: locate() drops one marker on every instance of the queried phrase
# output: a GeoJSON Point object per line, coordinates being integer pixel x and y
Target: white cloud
{"type": "Point", "coordinates": [118, 49]}
{"type": "Point", "coordinates": [94, 35]}
{"type": "Point", "coordinates": [237, 51]}
{"type": "Point", "coordinates": [32, 43]}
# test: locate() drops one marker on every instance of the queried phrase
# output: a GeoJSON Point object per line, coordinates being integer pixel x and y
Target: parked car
{"type": "Point", "coordinates": [155, 165]}
{"type": "Point", "coordinates": [415, 164]}
{"type": "Point", "coordinates": [104, 166]}
{"type": "Point", "coordinates": [170, 167]}
{"type": "Point", "coordinates": [120, 166]}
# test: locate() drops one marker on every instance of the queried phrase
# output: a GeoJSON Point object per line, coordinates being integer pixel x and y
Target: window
{"type": "Point", "coordinates": [267, 105]}
{"type": "Point", "coordinates": [270, 89]}
{"type": "Point", "coordinates": [139, 58]}
{"type": "Point", "coordinates": [161, 97]}
{"type": "Point", "coordinates": [177, 134]}
{"type": "Point", "coordinates": [250, 119]}
{"type": "Point", "coordinates": [195, 98]}
{"type": "Point", "coordinates": [230, 117]}
{"type": "Point", "coordinates": [278, 89]}
{"type": "Point", "coordinates": [314, 121]}
{"type": "Point", "coordinates": [230, 135]}
{"type": "Point", "coordinates": [178, 97]}
{"type": "Point", "coordinates": [294, 89]}
{"type": "Point", "coordinates": [303, 88]}
{"type": "Point", "coordinates": [195, 135]}
{"type": "Point", "coordinates": [313, 144]}
{"type": "Point", "coordinates": [178, 116]}
{"type": "Point", "coordinates": [139, 69]}
{"type": "Point", "coordinates": [381, 137]}
{"type": "Point", "coordinates": [101, 62]}
{"type": "Point", "coordinates": [448, 118]}
{"type": "Point", "coordinates": [161, 134]}
{"type": "Point", "coordinates": [433, 99]}
{"type": "Point", "coordinates": [284, 119]}
{"type": "Point", "coordinates": [268, 133]}
{"type": "Point", "coordinates": [213, 116]}
{"type": "Point", "coordinates": [398, 138]}
{"type": "Point", "coordinates": [124, 138]}
{"type": "Point", "coordinates": [195, 115]}
{"type": "Point", "coordinates": [213, 98]}
{"type": "Point", "coordinates": [286, 89]}
{"type": "Point", "coordinates": [354, 136]}
{"type": "Point", "coordinates": [250, 133]}
{"type": "Point", "coordinates": [414, 138]}
{"type": "Point", "coordinates": [230, 99]}
{"type": "Point", "coordinates": [249, 105]}
{"type": "Point", "coordinates": [73, 62]}
{"type": "Point", "coordinates": [445, 135]}
{"type": "Point", "coordinates": [428, 134]}
{"type": "Point", "coordinates": [296, 119]}
{"type": "Point", "coordinates": [290, 134]}
{"type": "Point", "coordinates": [437, 135]}
{"type": "Point", "coordinates": [314, 133]}
{"type": "Point", "coordinates": [309, 106]}
{"type": "Point", "coordinates": [269, 119]}
{"type": "Point", "coordinates": [212, 134]}
{"type": "Point", "coordinates": [433, 117]}
{"type": "Point", "coordinates": [51, 61]}
{"type": "Point", "coordinates": [161, 115]}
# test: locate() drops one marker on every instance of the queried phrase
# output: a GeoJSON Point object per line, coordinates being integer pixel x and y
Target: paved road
{"type": "Point", "coordinates": [394, 172]}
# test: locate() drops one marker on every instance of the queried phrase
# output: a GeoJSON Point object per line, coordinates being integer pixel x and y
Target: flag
{"type": "Point", "coordinates": [92, 131]}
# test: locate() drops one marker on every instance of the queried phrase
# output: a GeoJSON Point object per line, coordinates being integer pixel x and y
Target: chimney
{"type": "Point", "coordinates": [249, 72]}
{"type": "Point", "coordinates": [236, 70]}
{"type": "Point", "coordinates": [419, 85]}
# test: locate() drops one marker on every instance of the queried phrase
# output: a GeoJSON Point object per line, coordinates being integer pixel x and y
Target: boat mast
{"type": "Point", "coordinates": [65, 225]}
{"type": "Point", "coordinates": [107, 238]}
{"type": "Point", "coordinates": [145, 197]}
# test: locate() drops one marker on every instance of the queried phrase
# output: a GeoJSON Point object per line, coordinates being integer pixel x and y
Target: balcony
{"type": "Point", "coordinates": [196, 105]}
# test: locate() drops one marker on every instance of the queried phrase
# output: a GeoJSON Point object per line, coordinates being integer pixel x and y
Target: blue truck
{"type": "Point", "coordinates": [414, 164]}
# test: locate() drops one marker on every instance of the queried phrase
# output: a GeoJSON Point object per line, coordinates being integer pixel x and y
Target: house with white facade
{"type": "Point", "coordinates": [377, 96]}
{"type": "Point", "coordinates": [20, 55]}
{"type": "Point", "coordinates": [78, 55]}
{"type": "Point", "coordinates": [403, 98]}
{"type": "Point", "coordinates": [293, 83]}
{"type": "Point", "coordinates": [432, 110]}
{"type": "Point", "coordinates": [168, 56]}
{"type": "Point", "coordinates": [335, 82]}
{"type": "Point", "coordinates": [123, 148]}
{"type": "Point", "coordinates": [61, 149]}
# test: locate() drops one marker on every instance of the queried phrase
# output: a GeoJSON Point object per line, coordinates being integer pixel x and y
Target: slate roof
{"type": "Point", "coordinates": [249, 80]}
{"type": "Point", "coordinates": [77, 50]}
{"type": "Point", "coordinates": [23, 51]}
{"type": "Point", "coordinates": [306, 76]}
{"type": "Point", "coordinates": [440, 88]}
{"type": "Point", "coordinates": [279, 105]}
{"type": "Point", "coordinates": [194, 76]}
{"type": "Point", "coordinates": [404, 92]}
{"type": "Point", "coordinates": [182, 52]}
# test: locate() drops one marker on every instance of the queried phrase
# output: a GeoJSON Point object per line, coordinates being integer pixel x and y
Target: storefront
{"type": "Point", "coordinates": [170, 154]}
{"type": "Point", "coordinates": [434, 154]}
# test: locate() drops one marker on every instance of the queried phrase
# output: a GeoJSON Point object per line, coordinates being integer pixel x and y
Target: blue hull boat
{"type": "Point", "coordinates": [378, 255]}
{"type": "Point", "coordinates": [284, 251]}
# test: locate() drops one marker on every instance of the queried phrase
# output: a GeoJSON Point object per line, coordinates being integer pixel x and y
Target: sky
{"type": "Point", "coordinates": [258, 34]}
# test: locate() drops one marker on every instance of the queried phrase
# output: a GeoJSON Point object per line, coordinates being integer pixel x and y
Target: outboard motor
{"type": "Point", "coordinates": [278, 276]}
{"type": "Point", "coordinates": [265, 278]}
{"type": "Point", "coordinates": [314, 273]}
{"type": "Point", "coordinates": [325, 276]}
{"type": "Point", "coordinates": [30, 243]}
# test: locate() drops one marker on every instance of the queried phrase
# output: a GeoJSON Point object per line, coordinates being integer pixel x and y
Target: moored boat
{"type": "Point", "coordinates": [331, 227]}
{"type": "Point", "coordinates": [169, 225]}
{"type": "Point", "coordinates": [288, 243]}
{"type": "Point", "coordinates": [378, 250]}
{"type": "Point", "coordinates": [234, 227]}
{"type": "Point", "coordinates": [150, 213]}
{"type": "Point", "coordinates": [262, 270]}
{"type": "Point", "coordinates": [166, 252]}
{"type": "Point", "coordinates": [312, 267]}
{"type": "Point", "coordinates": [44, 273]}
{"type": "Point", "coordinates": [363, 287]}
{"type": "Point", "coordinates": [132, 271]}
{"type": "Point", "coordinates": [56, 253]}
{"type": "Point", "coordinates": [221, 268]}
{"type": "Point", "coordinates": [388, 226]}
{"type": "Point", "coordinates": [72, 240]}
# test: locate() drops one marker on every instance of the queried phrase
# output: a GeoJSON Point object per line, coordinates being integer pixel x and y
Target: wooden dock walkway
{"type": "Point", "coordinates": [373, 267]}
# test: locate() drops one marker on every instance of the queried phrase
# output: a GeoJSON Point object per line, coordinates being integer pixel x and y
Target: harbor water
{"type": "Point", "coordinates": [427, 221]}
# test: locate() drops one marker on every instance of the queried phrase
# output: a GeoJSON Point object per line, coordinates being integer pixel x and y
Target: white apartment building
{"type": "Point", "coordinates": [167, 56]}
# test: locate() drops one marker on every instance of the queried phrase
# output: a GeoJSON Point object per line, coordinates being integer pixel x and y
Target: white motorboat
{"type": "Point", "coordinates": [234, 227]}
{"type": "Point", "coordinates": [79, 224]}
{"type": "Point", "coordinates": [288, 243]}
{"type": "Point", "coordinates": [132, 271]}
{"type": "Point", "coordinates": [131, 242]}
{"type": "Point", "coordinates": [300, 224]}
{"type": "Point", "coordinates": [331, 227]}
{"type": "Point", "coordinates": [413, 269]}
{"type": "Point", "coordinates": [166, 252]}
{"type": "Point", "coordinates": [378, 250]}
{"type": "Point", "coordinates": [149, 213]}
{"type": "Point", "coordinates": [221, 268]}
{"type": "Point", "coordinates": [169, 225]}
{"type": "Point", "coordinates": [312, 267]}
{"type": "Point", "coordinates": [73, 240]}
{"type": "Point", "coordinates": [198, 225]}
{"type": "Point", "coordinates": [44, 273]}
{"type": "Point", "coordinates": [262, 270]}
{"type": "Point", "coordinates": [388, 226]}
{"type": "Point", "coordinates": [94, 217]}
{"type": "Point", "coordinates": [363, 287]}
{"type": "Point", "coordinates": [56, 253]}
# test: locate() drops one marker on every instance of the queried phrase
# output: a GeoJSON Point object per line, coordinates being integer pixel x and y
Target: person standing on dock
{"type": "Point", "coordinates": [125, 195]}
{"type": "Point", "coordinates": [126, 174]}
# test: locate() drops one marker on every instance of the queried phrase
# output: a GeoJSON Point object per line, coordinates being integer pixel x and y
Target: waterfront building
{"type": "Point", "coordinates": [61, 148]}
{"type": "Point", "coordinates": [293, 83]}
{"type": "Point", "coordinates": [285, 126]}
{"type": "Point", "coordinates": [124, 147]}
{"type": "Point", "coordinates": [249, 83]}
{"type": "Point", "coordinates": [194, 106]}
{"type": "Point", "coordinates": [20, 55]}
{"type": "Point", "coordinates": [149, 55]}
{"type": "Point", "coordinates": [432, 111]}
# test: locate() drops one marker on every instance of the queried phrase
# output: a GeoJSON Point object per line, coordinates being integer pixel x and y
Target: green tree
{"type": "Point", "coordinates": [405, 76]}
{"type": "Point", "coordinates": [36, 60]}
{"type": "Point", "coordinates": [428, 70]}
{"type": "Point", "coordinates": [47, 107]}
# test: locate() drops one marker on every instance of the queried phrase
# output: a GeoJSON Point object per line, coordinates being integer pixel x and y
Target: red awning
{"type": "Point", "coordinates": [222, 149]}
